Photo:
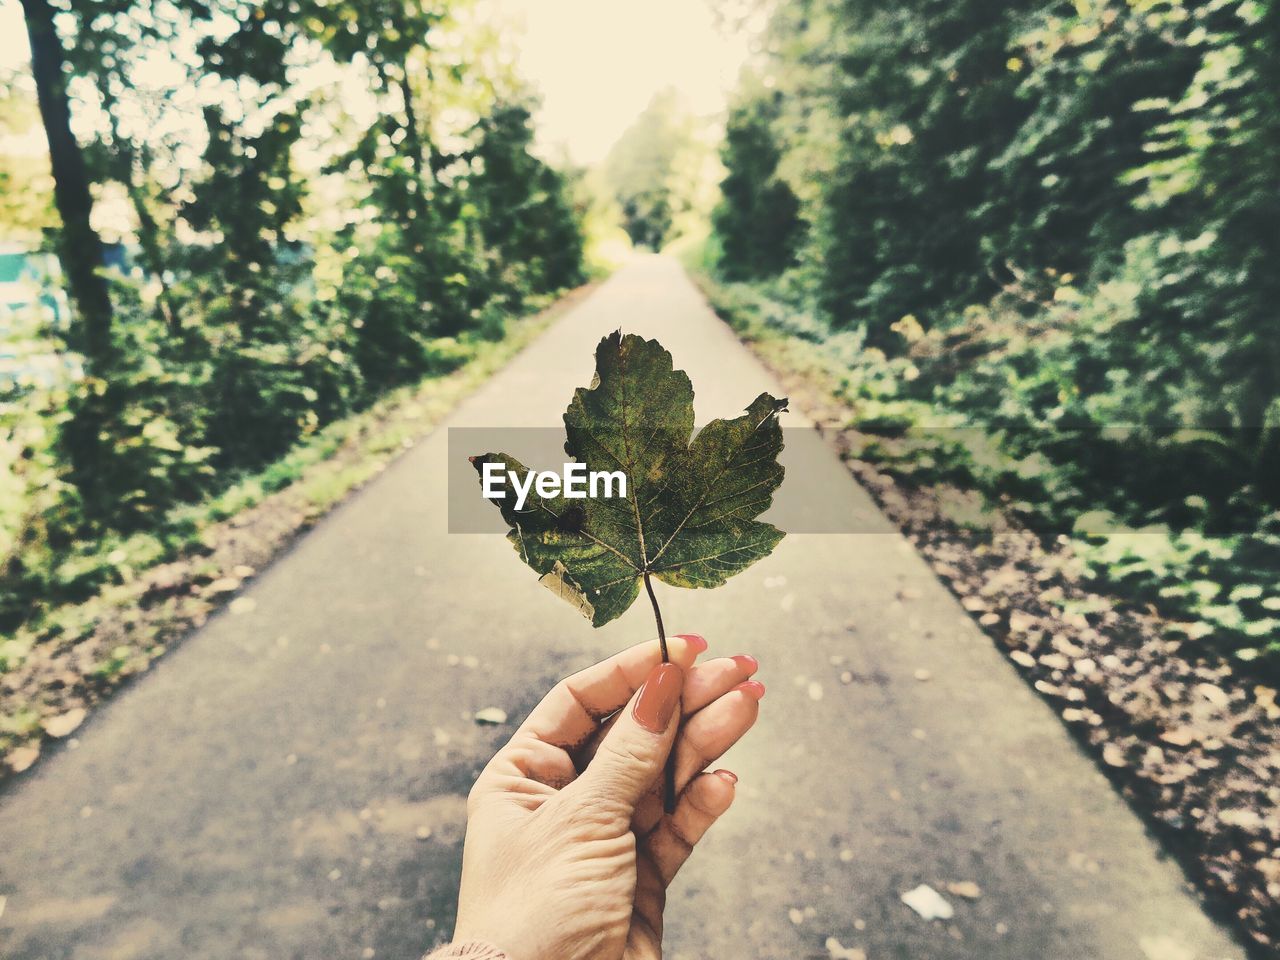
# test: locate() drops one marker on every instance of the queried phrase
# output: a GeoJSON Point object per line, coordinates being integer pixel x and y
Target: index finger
{"type": "Point", "coordinates": [572, 711]}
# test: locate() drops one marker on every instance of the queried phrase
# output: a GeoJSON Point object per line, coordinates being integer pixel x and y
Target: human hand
{"type": "Point", "coordinates": [568, 853]}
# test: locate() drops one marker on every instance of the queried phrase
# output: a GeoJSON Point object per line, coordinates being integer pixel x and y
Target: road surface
{"type": "Point", "coordinates": [289, 783]}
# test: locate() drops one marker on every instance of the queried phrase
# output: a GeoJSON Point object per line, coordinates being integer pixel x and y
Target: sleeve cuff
{"type": "Point", "coordinates": [471, 950]}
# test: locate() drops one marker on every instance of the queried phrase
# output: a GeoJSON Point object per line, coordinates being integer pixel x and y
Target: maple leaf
{"type": "Point", "coordinates": [689, 514]}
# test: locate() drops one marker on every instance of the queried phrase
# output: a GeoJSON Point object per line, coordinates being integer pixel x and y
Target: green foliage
{"type": "Point", "coordinates": [26, 191]}
{"type": "Point", "coordinates": [295, 249]}
{"type": "Point", "coordinates": [656, 172]}
{"type": "Point", "coordinates": [1227, 587]}
{"type": "Point", "coordinates": [688, 517]}
{"type": "Point", "coordinates": [1123, 496]}
{"type": "Point", "coordinates": [758, 217]}
{"type": "Point", "coordinates": [523, 208]}
{"type": "Point", "coordinates": [1040, 265]}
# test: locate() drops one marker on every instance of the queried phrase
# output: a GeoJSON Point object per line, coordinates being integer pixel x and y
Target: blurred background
{"type": "Point", "coordinates": [1026, 250]}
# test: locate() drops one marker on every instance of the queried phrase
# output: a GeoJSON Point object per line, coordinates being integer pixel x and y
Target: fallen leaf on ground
{"type": "Point", "coordinates": [1266, 697]}
{"type": "Point", "coordinates": [927, 902]}
{"type": "Point", "coordinates": [1020, 622]}
{"type": "Point", "coordinates": [64, 723]}
{"type": "Point", "coordinates": [965, 888]}
{"type": "Point", "coordinates": [1174, 774]}
{"type": "Point", "coordinates": [839, 951]}
{"type": "Point", "coordinates": [23, 757]}
{"type": "Point", "coordinates": [1213, 693]}
{"type": "Point", "coordinates": [1180, 737]}
{"type": "Point", "coordinates": [1245, 819]}
{"type": "Point", "coordinates": [1113, 755]}
{"type": "Point", "coordinates": [492, 715]}
{"type": "Point", "coordinates": [243, 605]}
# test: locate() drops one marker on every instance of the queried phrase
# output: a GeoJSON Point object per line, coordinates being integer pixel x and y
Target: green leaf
{"type": "Point", "coordinates": [689, 515]}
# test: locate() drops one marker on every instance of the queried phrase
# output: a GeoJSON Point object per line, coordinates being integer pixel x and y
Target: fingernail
{"type": "Point", "coordinates": [694, 640]}
{"type": "Point", "coordinates": [728, 776]}
{"type": "Point", "coordinates": [752, 688]}
{"type": "Point", "coordinates": [659, 697]}
{"type": "Point", "coordinates": [746, 662]}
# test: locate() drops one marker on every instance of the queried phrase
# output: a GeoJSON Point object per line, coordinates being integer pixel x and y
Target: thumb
{"type": "Point", "coordinates": [633, 753]}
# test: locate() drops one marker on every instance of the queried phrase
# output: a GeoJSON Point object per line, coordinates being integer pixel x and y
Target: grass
{"type": "Point", "coordinates": [167, 582]}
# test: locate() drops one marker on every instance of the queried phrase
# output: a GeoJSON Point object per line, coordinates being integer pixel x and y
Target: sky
{"type": "Point", "coordinates": [597, 63]}
{"type": "Point", "coordinates": [13, 35]}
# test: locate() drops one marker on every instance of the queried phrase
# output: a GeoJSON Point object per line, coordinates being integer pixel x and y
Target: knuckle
{"type": "Point", "coordinates": [680, 838]}
{"type": "Point", "coordinates": [592, 815]}
{"type": "Point", "coordinates": [628, 754]}
{"type": "Point", "coordinates": [698, 802]}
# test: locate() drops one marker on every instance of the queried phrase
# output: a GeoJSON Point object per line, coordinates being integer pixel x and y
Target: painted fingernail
{"type": "Point", "coordinates": [746, 663]}
{"type": "Point", "coordinates": [752, 688]}
{"type": "Point", "coordinates": [659, 697]}
{"type": "Point", "coordinates": [694, 640]}
{"type": "Point", "coordinates": [728, 776]}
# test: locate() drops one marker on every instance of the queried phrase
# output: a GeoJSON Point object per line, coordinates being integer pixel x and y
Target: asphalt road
{"type": "Point", "coordinates": [290, 781]}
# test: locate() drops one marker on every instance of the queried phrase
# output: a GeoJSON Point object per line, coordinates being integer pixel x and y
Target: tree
{"type": "Point", "coordinates": [80, 247]}
{"type": "Point", "coordinates": [109, 39]}
{"type": "Point", "coordinates": [758, 216]}
{"type": "Point", "coordinates": [524, 213]}
{"type": "Point", "coordinates": [26, 187]}
{"type": "Point", "coordinates": [927, 101]}
{"type": "Point", "coordinates": [305, 244]}
{"type": "Point", "coordinates": [644, 171]}
{"type": "Point", "coordinates": [1069, 210]}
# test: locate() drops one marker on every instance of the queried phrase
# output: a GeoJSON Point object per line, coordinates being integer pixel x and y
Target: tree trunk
{"type": "Point", "coordinates": [81, 248]}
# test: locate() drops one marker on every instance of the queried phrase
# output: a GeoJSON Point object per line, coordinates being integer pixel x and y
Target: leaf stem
{"type": "Point", "coordinates": [657, 615]}
{"type": "Point", "coordinates": [668, 774]}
